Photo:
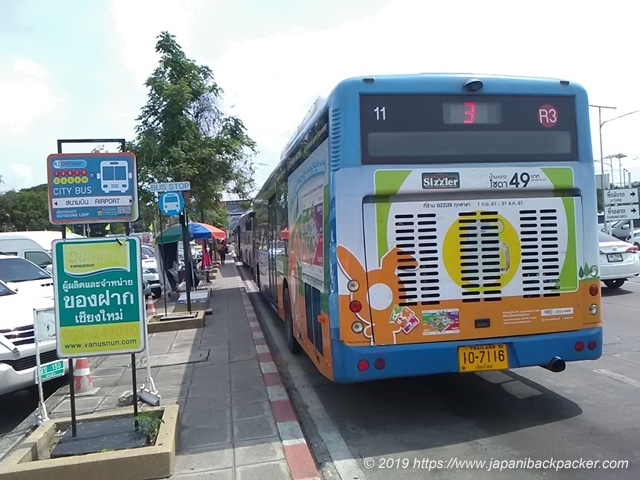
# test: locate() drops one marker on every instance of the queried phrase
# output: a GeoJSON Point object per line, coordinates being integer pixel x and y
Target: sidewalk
{"type": "Point", "coordinates": [236, 420]}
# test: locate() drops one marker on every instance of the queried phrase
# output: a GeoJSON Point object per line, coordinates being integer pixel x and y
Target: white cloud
{"type": "Point", "coordinates": [24, 95]}
{"type": "Point", "coordinates": [15, 176]}
{"type": "Point", "coordinates": [272, 81]}
{"type": "Point", "coordinates": [139, 23]}
{"type": "Point", "coordinates": [24, 173]}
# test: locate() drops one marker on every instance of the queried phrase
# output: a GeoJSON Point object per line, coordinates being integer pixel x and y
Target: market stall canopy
{"type": "Point", "coordinates": [197, 230]}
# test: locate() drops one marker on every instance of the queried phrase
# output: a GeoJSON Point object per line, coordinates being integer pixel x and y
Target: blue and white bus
{"type": "Point", "coordinates": [435, 223]}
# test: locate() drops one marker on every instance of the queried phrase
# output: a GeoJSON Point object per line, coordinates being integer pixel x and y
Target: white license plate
{"type": "Point", "coordinates": [614, 257]}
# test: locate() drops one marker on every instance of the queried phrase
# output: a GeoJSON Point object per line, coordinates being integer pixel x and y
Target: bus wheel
{"type": "Point", "coordinates": [292, 343]}
{"type": "Point", "coordinates": [617, 283]}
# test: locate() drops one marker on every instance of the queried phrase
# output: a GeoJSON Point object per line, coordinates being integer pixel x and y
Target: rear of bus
{"type": "Point", "coordinates": [465, 226]}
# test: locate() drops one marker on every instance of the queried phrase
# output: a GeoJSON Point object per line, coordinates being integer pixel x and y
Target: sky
{"type": "Point", "coordinates": [72, 69]}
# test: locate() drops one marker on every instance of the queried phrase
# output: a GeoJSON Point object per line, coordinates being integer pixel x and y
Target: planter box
{"type": "Point", "coordinates": [175, 321]}
{"type": "Point", "coordinates": [31, 459]}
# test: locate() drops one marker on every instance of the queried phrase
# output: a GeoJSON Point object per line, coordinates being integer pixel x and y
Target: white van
{"type": "Point", "coordinates": [34, 246]}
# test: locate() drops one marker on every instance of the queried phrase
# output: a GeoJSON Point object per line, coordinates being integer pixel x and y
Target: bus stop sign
{"type": "Point", "coordinates": [92, 188]}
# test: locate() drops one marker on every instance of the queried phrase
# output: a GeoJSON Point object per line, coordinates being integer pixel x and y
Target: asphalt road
{"type": "Point", "coordinates": [15, 407]}
{"type": "Point", "coordinates": [424, 427]}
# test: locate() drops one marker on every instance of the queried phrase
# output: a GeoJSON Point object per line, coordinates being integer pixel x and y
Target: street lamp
{"type": "Point", "coordinates": [610, 165]}
{"type": "Point", "coordinates": [600, 125]}
{"type": "Point", "coordinates": [619, 156]}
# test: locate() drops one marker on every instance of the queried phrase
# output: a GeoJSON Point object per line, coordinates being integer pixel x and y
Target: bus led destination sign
{"type": "Point", "coordinates": [418, 128]}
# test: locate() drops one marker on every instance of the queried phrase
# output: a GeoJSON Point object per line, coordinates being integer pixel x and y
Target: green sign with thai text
{"type": "Point", "coordinates": [52, 370]}
{"type": "Point", "coordinates": [99, 299]}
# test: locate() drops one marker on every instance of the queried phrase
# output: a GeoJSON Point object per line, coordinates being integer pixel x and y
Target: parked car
{"type": "Point", "coordinates": [151, 277]}
{"type": "Point", "coordinates": [17, 341]}
{"type": "Point", "coordinates": [150, 271]}
{"type": "Point", "coordinates": [618, 260]}
{"type": "Point", "coordinates": [623, 228]}
{"type": "Point", "coordinates": [22, 275]}
{"type": "Point", "coordinates": [35, 246]}
{"type": "Point", "coordinates": [634, 238]}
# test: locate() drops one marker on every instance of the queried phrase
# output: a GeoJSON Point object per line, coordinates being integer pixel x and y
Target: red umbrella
{"type": "Point", "coordinates": [205, 264]}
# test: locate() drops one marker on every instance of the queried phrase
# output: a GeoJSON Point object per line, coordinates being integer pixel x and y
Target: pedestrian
{"type": "Point", "coordinates": [223, 251]}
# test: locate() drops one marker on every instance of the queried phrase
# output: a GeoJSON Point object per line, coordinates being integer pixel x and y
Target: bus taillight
{"type": "Point", "coordinates": [593, 290]}
{"type": "Point", "coordinates": [592, 345]}
{"type": "Point", "coordinates": [353, 285]}
{"type": "Point", "coordinates": [363, 365]}
{"type": "Point", "coordinates": [380, 363]}
{"type": "Point", "coordinates": [579, 346]}
{"type": "Point", "coordinates": [355, 306]}
{"type": "Point", "coordinates": [357, 327]}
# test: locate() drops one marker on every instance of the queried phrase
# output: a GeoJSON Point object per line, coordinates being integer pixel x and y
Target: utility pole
{"type": "Point", "coordinates": [600, 124]}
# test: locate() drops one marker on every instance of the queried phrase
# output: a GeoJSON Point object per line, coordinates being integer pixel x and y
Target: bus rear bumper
{"type": "Point", "coordinates": [395, 361]}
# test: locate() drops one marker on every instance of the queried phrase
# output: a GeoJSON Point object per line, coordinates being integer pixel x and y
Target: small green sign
{"type": "Point", "coordinates": [98, 296]}
{"type": "Point", "coordinates": [51, 370]}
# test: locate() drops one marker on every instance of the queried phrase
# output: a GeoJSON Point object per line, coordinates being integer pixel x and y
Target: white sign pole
{"type": "Point", "coordinates": [41, 415]}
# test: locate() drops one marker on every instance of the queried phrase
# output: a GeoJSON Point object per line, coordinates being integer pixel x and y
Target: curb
{"type": "Point", "coordinates": [296, 449]}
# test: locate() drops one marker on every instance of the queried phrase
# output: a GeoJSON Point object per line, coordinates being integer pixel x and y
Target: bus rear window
{"type": "Point", "coordinates": [408, 128]}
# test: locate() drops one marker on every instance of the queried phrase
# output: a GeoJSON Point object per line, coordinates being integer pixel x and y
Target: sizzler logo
{"type": "Point", "coordinates": [440, 180]}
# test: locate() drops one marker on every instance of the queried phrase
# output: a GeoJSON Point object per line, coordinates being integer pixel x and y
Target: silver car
{"type": "Point", "coordinates": [17, 341]}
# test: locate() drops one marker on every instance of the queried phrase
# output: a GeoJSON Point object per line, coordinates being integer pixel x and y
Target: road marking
{"type": "Point", "coordinates": [495, 377]}
{"type": "Point", "coordinates": [619, 377]}
{"type": "Point", "coordinates": [513, 387]}
{"type": "Point", "coordinates": [341, 456]}
{"type": "Point", "coordinates": [520, 390]}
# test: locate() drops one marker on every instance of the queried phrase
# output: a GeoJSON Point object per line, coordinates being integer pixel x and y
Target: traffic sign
{"type": "Point", "coordinates": [99, 303]}
{"type": "Point", "coordinates": [620, 196]}
{"type": "Point", "coordinates": [170, 187]}
{"type": "Point", "coordinates": [622, 212]}
{"type": "Point", "coordinates": [171, 203]}
{"type": "Point", "coordinates": [92, 188]}
{"type": "Point", "coordinates": [51, 370]}
{"type": "Point", "coordinates": [44, 324]}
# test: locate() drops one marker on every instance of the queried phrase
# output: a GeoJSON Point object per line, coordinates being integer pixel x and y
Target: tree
{"type": "Point", "coordinates": [183, 135]}
{"type": "Point", "coordinates": [25, 209]}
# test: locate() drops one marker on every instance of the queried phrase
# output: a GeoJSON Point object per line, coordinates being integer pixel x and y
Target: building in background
{"type": "Point", "coordinates": [607, 181]}
{"type": "Point", "coordinates": [235, 210]}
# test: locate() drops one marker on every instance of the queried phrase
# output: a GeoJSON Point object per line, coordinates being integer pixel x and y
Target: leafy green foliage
{"type": "Point", "coordinates": [25, 209]}
{"type": "Point", "coordinates": [183, 135]}
{"type": "Point", "coordinates": [149, 424]}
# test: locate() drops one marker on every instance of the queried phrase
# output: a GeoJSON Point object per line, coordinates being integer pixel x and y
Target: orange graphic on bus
{"type": "Point", "coordinates": [377, 292]}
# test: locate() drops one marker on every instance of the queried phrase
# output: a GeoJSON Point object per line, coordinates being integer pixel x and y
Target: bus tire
{"type": "Point", "coordinates": [292, 344]}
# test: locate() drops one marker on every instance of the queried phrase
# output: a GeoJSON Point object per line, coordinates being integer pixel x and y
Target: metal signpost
{"type": "Point", "coordinates": [621, 204]}
{"type": "Point", "coordinates": [99, 300]}
{"type": "Point", "coordinates": [171, 203]}
{"type": "Point", "coordinates": [44, 329]}
{"type": "Point", "coordinates": [92, 188]}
